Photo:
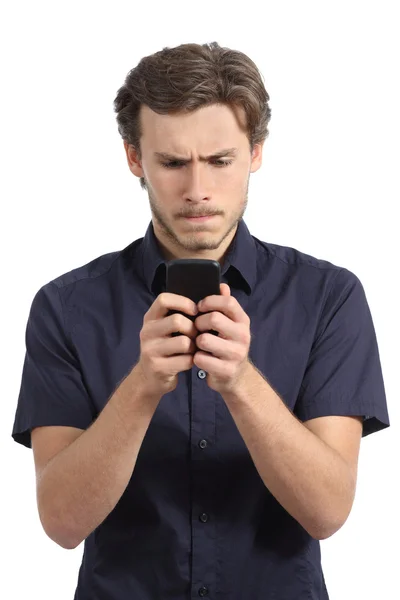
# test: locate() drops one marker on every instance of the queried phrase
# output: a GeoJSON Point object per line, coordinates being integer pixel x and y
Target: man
{"type": "Point", "coordinates": [198, 465]}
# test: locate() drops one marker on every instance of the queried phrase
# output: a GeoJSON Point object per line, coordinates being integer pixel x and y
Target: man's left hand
{"type": "Point", "coordinates": [229, 358]}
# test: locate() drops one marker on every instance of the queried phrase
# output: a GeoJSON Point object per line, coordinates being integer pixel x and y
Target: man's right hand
{"type": "Point", "coordinates": [163, 356]}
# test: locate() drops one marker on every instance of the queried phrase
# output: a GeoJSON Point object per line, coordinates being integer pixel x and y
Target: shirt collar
{"type": "Point", "coordinates": [239, 269]}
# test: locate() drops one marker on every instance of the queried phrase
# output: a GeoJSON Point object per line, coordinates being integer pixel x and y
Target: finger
{"type": "Point", "coordinates": [178, 323]}
{"type": "Point", "coordinates": [217, 321]}
{"type": "Point", "coordinates": [225, 350]}
{"type": "Point", "coordinates": [176, 346]}
{"type": "Point", "coordinates": [162, 328]}
{"type": "Point", "coordinates": [228, 306]}
{"type": "Point", "coordinates": [164, 348]}
{"type": "Point", "coordinates": [167, 301]}
{"type": "Point", "coordinates": [225, 289]}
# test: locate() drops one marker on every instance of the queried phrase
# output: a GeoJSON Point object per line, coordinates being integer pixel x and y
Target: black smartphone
{"type": "Point", "coordinates": [194, 278]}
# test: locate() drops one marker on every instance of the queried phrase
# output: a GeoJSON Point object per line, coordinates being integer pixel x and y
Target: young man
{"type": "Point", "coordinates": [198, 465]}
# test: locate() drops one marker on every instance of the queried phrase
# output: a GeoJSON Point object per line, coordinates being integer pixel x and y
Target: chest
{"type": "Point", "coordinates": [106, 335]}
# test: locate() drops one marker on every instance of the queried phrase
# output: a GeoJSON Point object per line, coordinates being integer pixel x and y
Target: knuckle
{"type": "Point", "coordinates": [238, 353]}
{"type": "Point", "coordinates": [177, 320]}
{"type": "Point", "coordinates": [201, 340]}
{"type": "Point", "coordinates": [184, 342]}
{"type": "Point", "coordinates": [245, 337]}
{"type": "Point", "coordinates": [146, 319]}
{"type": "Point", "coordinates": [162, 299]}
{"type": "Point", "coordinates": [215, 319]}
{"type": "Point", "coordinates": [230, 372]}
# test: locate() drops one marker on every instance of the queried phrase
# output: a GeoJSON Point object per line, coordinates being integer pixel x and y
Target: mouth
{"type": "Point", "coordinates": [199, 219]}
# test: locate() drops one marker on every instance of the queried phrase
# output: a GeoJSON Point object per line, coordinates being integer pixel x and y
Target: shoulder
{"type": "Point", "coordinates": [312, 278]}
{"type": "Point", "coordinates": [293, 260]}
{"type": "Point", "coordinates": [86, 285]}
{"type": "Point", "coordinates": [293, 257]}
{"type": "Point", "coordinates": [97, 267]}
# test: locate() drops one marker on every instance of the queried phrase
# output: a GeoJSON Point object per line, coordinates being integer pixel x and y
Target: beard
{"type": "Point", "coordinates": [191, 242]}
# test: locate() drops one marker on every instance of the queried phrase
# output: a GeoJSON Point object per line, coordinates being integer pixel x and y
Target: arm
{"type": "Point", "coordinates": [309, 478]}
{"type": "Point", "coordinates": [310, 466]}
{"type": "Point", "coordinates": [81, 485]}
{"type": "Point", "coordinates": [83, 482]}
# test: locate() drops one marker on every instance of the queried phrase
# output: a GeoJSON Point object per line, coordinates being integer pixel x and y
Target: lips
{"type": "Point", "coordinates": [198, 216]}
{"type": "Point", "coordinates": [199, 220]}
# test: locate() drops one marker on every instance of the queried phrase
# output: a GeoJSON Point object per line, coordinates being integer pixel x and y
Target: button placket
{"type": "Point", "coordinates": [204, 534]}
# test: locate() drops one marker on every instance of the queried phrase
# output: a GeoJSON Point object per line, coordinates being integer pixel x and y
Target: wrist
{"type": "Point", "coordinates": [141, 386]}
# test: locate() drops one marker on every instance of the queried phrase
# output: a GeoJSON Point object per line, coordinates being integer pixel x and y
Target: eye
{"type": "Point", "coordinates": [216, 162]}
{"type": "Point", "coordinates": [222, 163]}
{"type": "Point", "coordinates": [172, 164]}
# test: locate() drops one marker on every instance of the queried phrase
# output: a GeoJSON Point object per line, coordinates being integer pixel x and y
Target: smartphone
{"type": "Point", "coordinates": [194, 278]}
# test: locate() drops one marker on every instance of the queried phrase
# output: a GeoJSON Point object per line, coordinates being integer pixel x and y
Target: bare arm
{"type": "Point", "coordinates": [83, 478]}
{"type": "Point", "coordinates": [81, 485]}
{"type": "Point", "coordinates": [314, 481]}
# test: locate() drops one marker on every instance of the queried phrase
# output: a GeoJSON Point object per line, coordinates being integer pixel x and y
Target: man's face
{"type": "Point", "coordinates": [183, 179]}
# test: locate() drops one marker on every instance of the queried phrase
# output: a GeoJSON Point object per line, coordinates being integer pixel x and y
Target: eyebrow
{"type": "Point", "coordinates": [219, 154]}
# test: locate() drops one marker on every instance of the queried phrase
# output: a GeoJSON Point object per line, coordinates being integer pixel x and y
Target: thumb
{"type": "Point", "coordinates": [225, 289]}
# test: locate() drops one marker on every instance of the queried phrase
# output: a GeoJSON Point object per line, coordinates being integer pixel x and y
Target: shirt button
{"type": "Point", "coordinates": [201, 374]}
{"type": "Point", "coordinates": [203, 591]}
{"type": "Point", "coordinates": [204, 517]}
{"type": "Point", "coordinates": [203, 444]}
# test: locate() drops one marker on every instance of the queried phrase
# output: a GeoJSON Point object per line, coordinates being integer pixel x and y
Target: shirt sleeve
{"type": "Point", "coordinates": [343, 374]}
{"type": "Point", "coordinates": [52, 390]}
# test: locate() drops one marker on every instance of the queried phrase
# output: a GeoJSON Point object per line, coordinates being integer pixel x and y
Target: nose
{"type": "Point", "coordinates": [197, 185]}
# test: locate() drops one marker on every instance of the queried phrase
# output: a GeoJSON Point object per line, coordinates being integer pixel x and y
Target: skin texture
{"type": "Point", "coordinates": [198, 187]}
{"type": "Point", "coordinates": [310, 467]}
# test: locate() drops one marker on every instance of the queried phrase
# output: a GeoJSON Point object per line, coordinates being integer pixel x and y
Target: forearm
{"type": "Point", "coordinates": [307, 477]}
{"type": "Point", "coordinates": [82, 484]}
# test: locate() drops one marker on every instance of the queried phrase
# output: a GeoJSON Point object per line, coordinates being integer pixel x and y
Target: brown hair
{"type": "Point", "coordinates": [188, 77]}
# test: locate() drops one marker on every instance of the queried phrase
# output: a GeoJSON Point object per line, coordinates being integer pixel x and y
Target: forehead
{"type": "Point", "coordinates": [212, 125]}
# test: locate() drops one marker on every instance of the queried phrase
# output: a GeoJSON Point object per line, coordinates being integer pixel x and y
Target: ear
{"type": "Point", "coordinates": [134, 163]}
{"type": "Point", "coordinates": [256, 159]}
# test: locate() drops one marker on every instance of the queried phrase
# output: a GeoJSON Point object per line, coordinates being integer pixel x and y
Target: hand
{"type": "Point", "coordinates": [162, 357]}
{"type": "Point", "coordinates": [229, 358]}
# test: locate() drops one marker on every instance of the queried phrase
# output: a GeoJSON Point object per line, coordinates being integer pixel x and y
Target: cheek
{"type": "Point", "coordinates": [165, 180]}
{"type": "Point", "coordinates": [154, 176]}
{"type": "Point", "coordinates": [235, 180]}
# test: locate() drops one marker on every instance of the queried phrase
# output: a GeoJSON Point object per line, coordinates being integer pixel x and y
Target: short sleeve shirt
{"type": "Point", "coordinates": [196, 519]}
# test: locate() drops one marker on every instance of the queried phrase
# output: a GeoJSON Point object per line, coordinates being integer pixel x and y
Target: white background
{"type": "Point", "coordinates": [328, 186]}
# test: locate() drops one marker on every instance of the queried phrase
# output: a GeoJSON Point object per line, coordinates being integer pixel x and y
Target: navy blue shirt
{"type": "Point", "coordinates": [196, 519]}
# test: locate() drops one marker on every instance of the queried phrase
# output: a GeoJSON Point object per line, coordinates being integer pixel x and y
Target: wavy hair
{"type": "Point", "coordinates": [187, 77]}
